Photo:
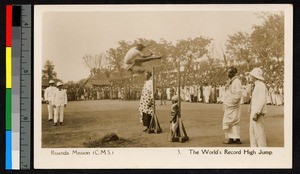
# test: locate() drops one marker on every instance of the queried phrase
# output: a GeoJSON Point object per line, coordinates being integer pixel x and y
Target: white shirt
{"type": "Point", "coordinates": [48, 95]}
{"type": "Point", "coordinates": [259, 97]}
{"type": "Point", "coordinates": [130, 57]}
{"type": "Point", "coordinates": [60, 97]}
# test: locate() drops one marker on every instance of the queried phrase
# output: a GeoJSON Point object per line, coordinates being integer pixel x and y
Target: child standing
{"type": "Point", "coordinates": [174, 113]}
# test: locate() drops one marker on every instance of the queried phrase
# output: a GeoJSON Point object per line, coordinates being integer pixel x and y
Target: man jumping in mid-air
{"type": "Point", "coordinates": [134, 58]}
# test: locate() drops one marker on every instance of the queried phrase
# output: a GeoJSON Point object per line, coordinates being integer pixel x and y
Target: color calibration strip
{"type": "Point", "coordinates": [8, 96]}
{"type": "Point", "coordinates": [18, 86]}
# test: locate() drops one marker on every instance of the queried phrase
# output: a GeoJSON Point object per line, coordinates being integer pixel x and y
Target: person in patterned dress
{"type": "Point", "coordinates": [146, 107]}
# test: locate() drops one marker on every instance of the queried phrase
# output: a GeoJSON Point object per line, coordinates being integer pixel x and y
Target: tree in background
{"type": "Point", "coordinates": [115, 57]}
{"type": "Point", "coordinates": [188, 52]}
{"type": "Point", "coordinates": [263, 46]}
{"type": "Point", "coordinates": [48, 72]}
{"type": "Point", "coordinates": [268, 39]}
{"type": "Point", "coordinates": [93, 63]}
{"type": "Point", "coordinates": [239, 48]}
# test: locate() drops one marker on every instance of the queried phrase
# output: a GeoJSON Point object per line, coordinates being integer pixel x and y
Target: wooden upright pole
{"type": "Point", "coordinates": [179, 84]}
{"type": "Point", "coordinates": [153, 89]}
{"type": "Point", "coordinates": [154, 124]}
{"type": "Point", "coordinates": [182, 132]}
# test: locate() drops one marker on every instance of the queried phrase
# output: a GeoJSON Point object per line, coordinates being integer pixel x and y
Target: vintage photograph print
{"type": "Point", "coordinates": [124, 82]}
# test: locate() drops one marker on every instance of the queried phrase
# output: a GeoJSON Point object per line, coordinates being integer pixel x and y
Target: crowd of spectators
{"type": "Point", "coordinates": [207, 87]}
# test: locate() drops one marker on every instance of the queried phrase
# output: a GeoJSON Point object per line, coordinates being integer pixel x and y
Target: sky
{"type": "Point", "coordinates": [68, 36]}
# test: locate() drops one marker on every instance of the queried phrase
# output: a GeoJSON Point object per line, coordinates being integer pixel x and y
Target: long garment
{"type": "Point", "coordinates": [174, 121]}
{"type": "Point", "coordinates": [212, 94]}
{"type": "Point", "coordinates": [168, 94]}
{"type": "Point", "coordinates": [206, 93]}
{"type": "Point", "coordinates": [232, 108]}
{"type": "Point", "coordinates": [199, 94]}
{"type": "Point", "coordinates": [60, 100]}
{"type": "Point", "coordinates": [278, 97]}
{"type": "Point", "coordinates": [187, 94]}
{"type": "Point", "coordinates": [258, 105]}
{"type": "Point", "coordinates": [269, 99]}
{"type": "Point", "coordinates": [222, 93]}
{"type": "Point", "coordinates": [48, 96]}
{"type": "Point", "coordinates": [146, 108]}
{"type": "Point", "coordinates": [191, 92]}
{"type": "Point", "coordinates": [280, 89]}
{"type": "Point", "coordinates": [273, 96]}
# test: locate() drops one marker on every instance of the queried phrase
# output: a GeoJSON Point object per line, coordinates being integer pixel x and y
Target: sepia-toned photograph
{"type": "Point", "coordinates": [213, 81]}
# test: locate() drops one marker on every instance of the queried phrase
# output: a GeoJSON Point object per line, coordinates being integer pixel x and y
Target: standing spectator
{"type": "Point", "coordinates": [248, 90]}
{"type": "Point", "coordinates": [278, 96]}
{"type": "Point", "coordinates": [191, 92]}
{"type": "Point", "coordinates": [199, 93]}
{"type": "Point", "coordinates": [195, 93]}
{"type": "Point", "coordinates": [280, 89]}
{"type": "Point", "coordinates": [172, 91]}
{"type": "Point", "coordinates": [213, 94]}
{"type": "Point", "coordinates": [163, 96]}
{"type": "Point", "coordinates": [219, 94]}
{"type": "Point", "coordinates": [59, 103]}
{"type": "Point", "coordinates": [232, 108]}
{"type": "Point", "coordinates": [186, 92]}
{"type": "Point", "coordinates": [146, 107]}
{"type": "Point", "coordinates": [244, 94]}
{"type": "Point", "coordinates": [273, 94]}
{"type": "Point", "coordinates": [269, 99]}
{"type": "Point", "coordinates": [48, 95]}
{"type": "Point", "coordinates": [168, 94]}
{"type": "Point", "coordinates": [257, 110]}
{"type": "Point", "coordinates": [98, 93]}
{"type": "Point", "coordinates": [206, 93]}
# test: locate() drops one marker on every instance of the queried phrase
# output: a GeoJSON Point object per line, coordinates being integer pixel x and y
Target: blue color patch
{"type": "Point", "coordinates": [8, 151]}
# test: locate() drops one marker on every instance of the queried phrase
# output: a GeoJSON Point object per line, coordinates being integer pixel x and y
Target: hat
{"type": "Point", "coordinates": [51, 82]}
{"type": "Point", "coordinates": [59, 84]}
{"type": "Point", "coordinates": [175, 98]}
{"type": "Point", "coordinates": [257, 73]}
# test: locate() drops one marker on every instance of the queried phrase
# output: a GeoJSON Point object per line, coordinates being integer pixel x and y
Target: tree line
{"type": "Point", "coordinates": [263, 46]}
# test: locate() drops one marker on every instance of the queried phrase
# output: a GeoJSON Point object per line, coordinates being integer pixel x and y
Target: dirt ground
{"type": "Point", "coordinates": [93, 119]}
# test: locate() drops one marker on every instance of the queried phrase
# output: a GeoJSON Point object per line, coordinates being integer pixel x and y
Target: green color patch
{"type": "Point", "coordinates": [8, 110]}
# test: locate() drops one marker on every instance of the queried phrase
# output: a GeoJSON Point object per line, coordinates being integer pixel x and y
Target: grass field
{"type": "Point", "coordinates": [95, 118]}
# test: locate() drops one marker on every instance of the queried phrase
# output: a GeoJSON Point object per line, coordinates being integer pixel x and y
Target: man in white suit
{"type": "Point", "coordinates": [48, 96]}
{"type": "Point", "coordinates": [258, 109]}
{"type": "Point", "coordinates": [59, 103]}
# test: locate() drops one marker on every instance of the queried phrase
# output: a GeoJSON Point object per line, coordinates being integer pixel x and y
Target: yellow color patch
{"type": "Point", "coordinates": [8, 67]}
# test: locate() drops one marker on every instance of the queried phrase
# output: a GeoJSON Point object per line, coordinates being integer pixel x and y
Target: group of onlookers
{"type": "Point", "coordinates": [205, 93]}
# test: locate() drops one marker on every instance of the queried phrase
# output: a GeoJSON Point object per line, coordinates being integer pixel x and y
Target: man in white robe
{"type": "Point", "coordinates": [232, 108]}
